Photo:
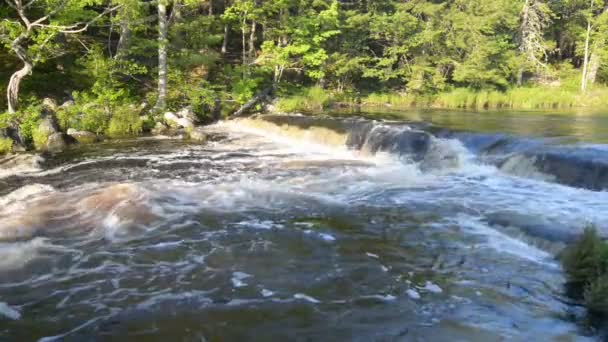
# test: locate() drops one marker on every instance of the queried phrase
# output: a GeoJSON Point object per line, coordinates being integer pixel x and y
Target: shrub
{"type": "Point", "coordinates": [86, 114]}
{"type": "Point", "coordinates": [125, 121]}
{"type": "Point", "coordinates": [6, 145]}
{"type": "Point", "coordinates": [596, 296]}
{"type": "Point", "coordinates": [586, 267]}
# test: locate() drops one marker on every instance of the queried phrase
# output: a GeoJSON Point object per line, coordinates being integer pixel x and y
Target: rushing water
{"type": "Point", "coordinates": [278, 231]}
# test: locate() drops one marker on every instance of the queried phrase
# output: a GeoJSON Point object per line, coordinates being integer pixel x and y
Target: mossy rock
{"type": "Point", "coordinates": [84, 137]}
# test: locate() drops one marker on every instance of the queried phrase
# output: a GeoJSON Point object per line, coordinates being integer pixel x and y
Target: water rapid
{"type": "Point", "coordinates": [287, 227]}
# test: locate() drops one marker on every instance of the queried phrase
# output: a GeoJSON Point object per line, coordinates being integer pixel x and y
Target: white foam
{"type": "Point", "coordinates": [9, 311]}
{"type": "Point", "coordinates": [24, 193]}
{"type": "Point", "coordinates": [15, 255]}
{"type": "Point", "coordinates": [238, 277]}
{"type": "Point", "coordinates": [266, 293]}
{"type": "Point", "coordinates": [504, 243]}
{"type": "Point", "coordinates": [20, 164]}
{"type": "Point", "coordinates": [431, 287]}
{"type": "Point", "coordinates": [412, 294]}
{"type": "Point", "coordinates": [306, 298]}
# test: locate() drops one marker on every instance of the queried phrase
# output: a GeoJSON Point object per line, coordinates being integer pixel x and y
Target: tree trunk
{"type": "Point", "coordinates": [244, 47]}
{"type": "Point", "coordinates": [225, 42]}
{"type": "Point", "coordinates": [12, 92]}
{"type": "Point", "coordinates": [123, 41]}
{"type": "Point", "coordinates": [252, 39]}
{"type": "Point", "coordinates": [162, 55]}
{"type": "Point", "coordinates": [594, 66]}
{"type": "Point", "coordinates": [586, 58]}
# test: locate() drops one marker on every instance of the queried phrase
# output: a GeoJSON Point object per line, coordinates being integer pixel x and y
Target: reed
{"type": "Point", "coordinates": [515, 98]}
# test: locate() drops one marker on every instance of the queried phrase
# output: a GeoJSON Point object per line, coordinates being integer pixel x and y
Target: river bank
{"type": "Point", "coordinates": [529, 98]}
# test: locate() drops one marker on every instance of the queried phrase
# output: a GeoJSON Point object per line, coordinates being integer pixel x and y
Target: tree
{"type": "Point", "coordinates": [31, 37]}
{"type": "Point", "coordinates": [584, 77]}
{"type": "Point", "coordinates": [163, 42]}
{"type": "Point", "coordinates": [535, 18]}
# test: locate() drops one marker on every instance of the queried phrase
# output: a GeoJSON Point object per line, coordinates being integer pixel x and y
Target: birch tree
{"type": "Point", "coordinates": [30, 36]}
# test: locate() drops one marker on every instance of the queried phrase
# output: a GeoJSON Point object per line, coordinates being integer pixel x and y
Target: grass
{"type": "Point", "coordinates": [523, 98]}
{"type": "Point", "coordinates": [586, 267]}
{"type": "Point", "coordinates": [515, 98]}
{"type": "Point", "coordinates": [311, 99]}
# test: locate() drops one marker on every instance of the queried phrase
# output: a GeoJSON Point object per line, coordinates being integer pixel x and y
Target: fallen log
{"type": "Point", "coordinates": [255, 100]}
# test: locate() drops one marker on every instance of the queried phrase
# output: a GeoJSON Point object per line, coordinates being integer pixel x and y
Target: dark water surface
{"type": "Point", "coordinates": [279, 233]}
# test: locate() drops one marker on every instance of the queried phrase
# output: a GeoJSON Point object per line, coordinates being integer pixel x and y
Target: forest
{"type": "Point", "coordinates": [119, 64]}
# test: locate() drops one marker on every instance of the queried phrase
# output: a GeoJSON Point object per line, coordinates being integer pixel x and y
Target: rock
{"type": "Point", "coordinates": [187, 113]}
{"type": "Point", "coordinates": [66, 104]}
{"type": "Point", "coordinates": [159, 129]}
{"type": "Point", "coordinates": [177, 122]}
{"type": "Point", "coordinates": [198, 134]}
{"type": "Point", "coordinates": [56, 142]}
{"type": "Point", "coordinates": [83, 137]}
{"type": "Point", "coordinates": [49, 104]}
{"type": "Point", "coordinates": [71, 131]}
{"type": "Point", "coordinates": [48, 126]}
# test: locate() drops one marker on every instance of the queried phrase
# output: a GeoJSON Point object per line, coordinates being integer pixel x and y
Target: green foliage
{"type": "Point", "coordinates": [85, 115]}
{"type": "Point", "coordinates": [457, 54]}
{"type": "Point", "coordinates": [125, 121]}
{"type": "Point", "coordinates": [6, 145]}
{"type": "Point", "coordinates": [586, 267]}
{"type": "Point", "coordinates": [308, 100]}
{"type": "Point", "coordinates": [29, 120]}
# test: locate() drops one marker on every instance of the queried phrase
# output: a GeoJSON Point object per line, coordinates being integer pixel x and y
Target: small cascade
{"type": "Point", "coordinates": [365, 137]}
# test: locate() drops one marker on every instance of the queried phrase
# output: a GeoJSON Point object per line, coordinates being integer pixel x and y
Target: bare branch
{"type": "Point", "coordinates": [75, 27]}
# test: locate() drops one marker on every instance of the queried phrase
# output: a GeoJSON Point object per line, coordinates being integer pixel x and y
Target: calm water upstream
{"type": "Point", "coordinates": [291, 228]}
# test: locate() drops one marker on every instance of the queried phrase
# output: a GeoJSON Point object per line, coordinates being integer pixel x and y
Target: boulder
{"type": "Point", "coordinates": [49, 104]}
{"type": "Point", "coordinates": [48, 126]}
{"type": "Point", "coordinates": [56, 142]}
{"type": "Point", "coordinates": [187, 113]}
{"type": "Point", "coordinates": [198, 134]}
{"type": "Point", "coordinates": [177, 122]}
{"type": "Point", "coordinates": [83, 137]}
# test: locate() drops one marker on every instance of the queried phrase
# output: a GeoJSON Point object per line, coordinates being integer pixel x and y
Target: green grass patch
{"type": "Point", "coordinates": [527, 98]}
{"type": "Point", "coordinates": [308, 100]}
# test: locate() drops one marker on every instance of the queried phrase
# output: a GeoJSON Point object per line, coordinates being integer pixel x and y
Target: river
{"type": "Point", "coordinates": [430, 226]}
